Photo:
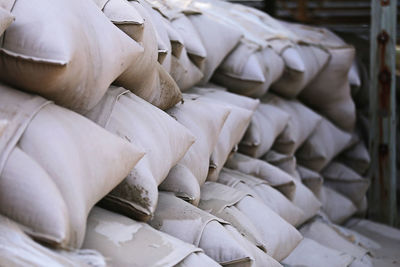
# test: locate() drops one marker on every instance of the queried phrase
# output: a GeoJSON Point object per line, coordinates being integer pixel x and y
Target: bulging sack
{"type": "Point", "coordinates": [301, 124]}
{"type": "Point", "coordinates": [205, 119]}
{"type": "Point", "coordinates": [18, 249]}
{"type": "Point", "coordinates": [47, 52]}
{"type": "Point", "coordinates": [357, 158]}
{"type": "Point", "coordinates": [195, 226]}
{"type": "Point", "coordinates": [72, 163]}
{"type": "Point", "coordinates": [267, 123]}
{"type": "Point", "coordinates": [218, 199]}
{"type": "Point", "coordinates": [133, 119]}
{"type": "Point", "coordinates": [261, 190]}
{"type": "Point", "coordinates": [326, 142]}
{"type": "Point", "coordinates": [6, 18]}
{"type": "Point", "coordinates": [313, 180]}
{"type": "Point", "coordinates": [125, 242]}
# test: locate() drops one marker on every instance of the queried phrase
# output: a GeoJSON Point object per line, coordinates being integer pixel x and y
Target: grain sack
{"type": "Point", "coordinates": [337, 207]}
{"type": "Point", "coordinates": [51, 59]}
{"type": "Point", "coordinates": [17, 249]}
{"type": "Point", "coordinates": [218, 198]}
{"type": "Point", "coordinates": [305, 199]}
{"type": "Point", "coordinates": [191, 39]}
{"type": "Point", "coordinates": [326, 235]}
{"type": "Point", "coordinates": [302, 122]}
{"type": "Point", "coordinates": [232, 132]}
{"type": "Point", "coordinates": [6, 18]}
{"type": "Point", "coordinates": [312, 254]}
{"type": "Point", "coordinates": [265, 171]}
{"type": "Point", "coordinates": [197, 259]}
{"type": "Point", "coordinates": [133, 119]}
{"type": "Point", "coordinates": [261, 190]}
{"type": "Point", "coordinates": [125, 242]}
{"type": "Point", "coordinates": [357, 158]}
{"type": "Point", "coordinates": [205, 119]}
{"type": "Point", "coordinates": [303, 63]}
{"type": "Point", "coordinates": [322, 146]}
{"type": "Point", "coordinates": [345, 181]}
{"type": "Point", "coordinates": [261, 259]}
{"type": "Point", "coordinates": [145, 77]}
{"type": "Point", "coordinates": [388, 238]}
{"type": "Point", "coordinates": [218, 39]}
{"type": "Point", "coordinates": [69, 169]}
{"type": "Point", "coordinates": [354, 74]}
{"type": "Point", "coordinates": [219, 93]}
{"type": "Point", "coordinates": [266, 125]}
{"type": "Point", "coordinates": [286, 163]}
{"type": "Point", "coordinates": [192, 225]}
{"type": "Point", "coordinates": [313, 180]}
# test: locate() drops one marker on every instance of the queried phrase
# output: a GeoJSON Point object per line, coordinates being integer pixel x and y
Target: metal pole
{"type": "Point", "coordinates": [382, 195]}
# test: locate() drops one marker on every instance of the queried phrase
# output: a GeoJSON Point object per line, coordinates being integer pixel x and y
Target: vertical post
{"type": "Point", "coordinates": [382, 195]}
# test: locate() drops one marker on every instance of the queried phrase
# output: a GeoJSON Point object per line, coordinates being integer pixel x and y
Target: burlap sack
{"type": "Point", "coordinates": [337, 207]}
{"type": "Point", "coordinates": [145, 77]}
{"type": "Point", "coordinates": [265, 171]}
{"type": "Point", "coordinates": [17, 249]}
{"type": "Point", "coordinates": [266, 125]}
{"type": "Point", "coordinates": [357, 158]}
{"type": "Point", "coordinates": [345, 181]}
{"type": "Point", "coordinates": [211, 29]}
{"type": "Point", "coordinates": [6, 18]}
{"type": "Point", "coordinates": [125, 242]}
{"type": "Point", "coordinates": [216, 198]}
{"type": "Point", "coordinates": [192, 225]}
{"type": "Point", "coordinates": [312, 254]}
{"type": "Point", "coordinates": [47, 52]}
{"type": "Point", "coordinates": [261, 190]}
{"type": "Point", "coordinates": [133, 119]}
{"type": "Point", "coordinates": [303, 63]}
{"type": "Point", "coordinates": [302, 122]}
{"type": "Point", "coordinates": [191, 39]}
{"type": "Point", "coordinates": [67, 168]}
{"type": "Point", "coordinates": [205, 119]}
{"type": "Point", "coordinates": [261, 258]}
{"type": "Point", "coordinates": [325, 234]}
{"type": "Point", "coordinates": [313, 180]}
{"type": "Point", "coordinates": [322, 146]}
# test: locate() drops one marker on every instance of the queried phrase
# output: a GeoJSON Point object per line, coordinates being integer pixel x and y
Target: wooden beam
{"type": "Point", "coordinates": [382, 194]}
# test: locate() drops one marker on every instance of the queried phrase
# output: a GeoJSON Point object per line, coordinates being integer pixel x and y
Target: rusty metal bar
{"type": "Point", "coordinates": [382, 194]}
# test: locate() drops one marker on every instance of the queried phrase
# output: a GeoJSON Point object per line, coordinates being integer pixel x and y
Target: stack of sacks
{"type": "Point", "coordinates": [145, 77]}
{"type": "Point", "coordinates": [290, 186]}
{"type": "Point", "coordinates": [133, 119]}
{"type": "Point", "coordinates": [329, 92]}
{"type": "Point", "coordinates": [205, 119]}
{"type": "Point", "coordinates": [52, 59]}
{"type": "Point", "coordinates": [125, 242]}
{"type": "Point", "coordinates": [66, 168]}
{"type": "Point", "coordinates": [17, 249]}
{"type": "Point", "coordinates": [217, 238]}
{"type": "Point", "coordinates": [241, 111]}
{"type": "Point", "coordinates": [250, 216]}
{"type": "Point", "coordinates": [261, 190]}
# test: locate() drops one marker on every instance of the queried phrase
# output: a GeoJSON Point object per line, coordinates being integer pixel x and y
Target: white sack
{"type": "Point", "coordinates": [265, 171]}
{"type": "Point", "coordinates": [261, 190]}
{"type": "Point", "coordinates": [301, 124]}
{"type": "Point", "coordinates": [337, 207]}
{"type": "Point", "coordinates": [279, 237]}
{"type": "Point", "coordinates": [345, 181]}
{"type": "Point", "coordinates": [313, 180]}
{"type": "Point", "coordinates": [67, 168]}
{"type": "Point", "coordinates": [205, 119]}
{"type": "Point", "coordinates": [6, 18]}
{"type": "Point", "coordinates": [312, 254]}
{"type": "Point", "coordinates": [357, 158]}
{"type": "Point", "coordinates": [125, 242]}
{"type": "Point", "coordinates": [322, 146]}
{"type": "Point", "coordinates": [266, 125]}
{"type": "Point", "coordinates": [286, 163]}
{"type": "Point", "coordinates": [197, 259]}
{"type": "Point", "coordinates": [17, 249]}
{"type": "Point", "coordinates": [47, 52]}
{"type": "Point", "coordinates": [192, 225]}
{"type": "Point", "coordinates": [133, 119]}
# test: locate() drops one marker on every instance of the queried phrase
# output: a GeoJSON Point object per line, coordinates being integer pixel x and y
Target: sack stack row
{"type": "Point", "coordinates": [177, 133]}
